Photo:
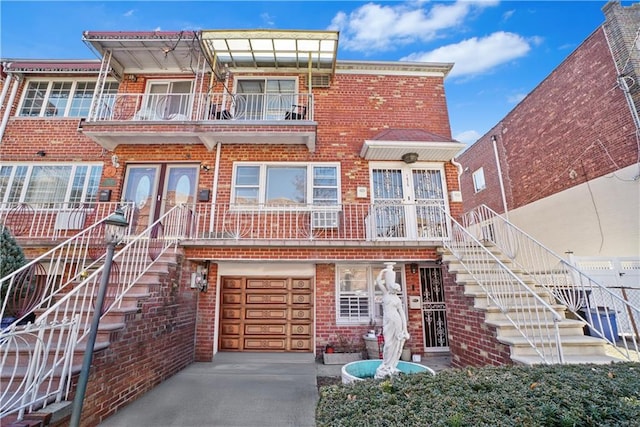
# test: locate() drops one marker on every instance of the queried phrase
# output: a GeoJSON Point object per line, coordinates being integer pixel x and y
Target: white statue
{"type": "Point", "coordinates": [394, 322]}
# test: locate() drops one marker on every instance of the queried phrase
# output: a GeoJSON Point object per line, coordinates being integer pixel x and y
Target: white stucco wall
{"type": "Point", "coordinates": [598, 218]}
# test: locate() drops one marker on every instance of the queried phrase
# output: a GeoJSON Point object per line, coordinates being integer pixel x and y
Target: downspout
{"type": "Point", "coordinates": [504, 197]}
{"type": "Point", "coordinates": [214, 190]}
{"type": "Point", "coordinates": [7, 110]}
{"type": "Point", "coordinates": [5, 88]}
{"type": "Point", "coordinates": [460, 171]}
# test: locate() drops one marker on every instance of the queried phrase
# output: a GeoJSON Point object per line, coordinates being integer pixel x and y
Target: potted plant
{"type": "Point", "coordinates": [342, 350]}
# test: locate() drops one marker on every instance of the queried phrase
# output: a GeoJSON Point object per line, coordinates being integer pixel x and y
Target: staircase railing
{"type": "Point", "coordinates": [72, 307]}
{"type": "Point", "coordinates": [533, 317]}
{"type": "Point", "coordinates": [608, 314]}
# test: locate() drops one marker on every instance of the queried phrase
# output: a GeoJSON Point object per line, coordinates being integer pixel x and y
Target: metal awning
{"type": "Point", "coordinates": [135, 52]}
{"type": "Point", "coordinates": [282, 50]}
{"type": "Point", "coordinates": [393, 144]}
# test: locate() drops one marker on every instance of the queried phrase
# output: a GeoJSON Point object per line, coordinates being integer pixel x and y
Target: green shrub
{"type": "Point", "coordinates": [557, 395]}
{"type": "Point", "coordinates": [11, 257]}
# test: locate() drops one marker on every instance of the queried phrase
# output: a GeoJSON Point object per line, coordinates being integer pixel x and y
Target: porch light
{"type": "Point", "coordinates": [410, 158]}
{"type": "Point", "coordinates": [115, 227]}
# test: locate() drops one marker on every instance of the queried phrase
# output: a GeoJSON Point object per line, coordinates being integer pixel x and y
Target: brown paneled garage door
{"type": "Point", "coordinates": [266, 314]}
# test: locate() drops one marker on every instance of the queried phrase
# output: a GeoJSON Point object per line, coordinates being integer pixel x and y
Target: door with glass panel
{"type": "Point", "coordinates": [157, 188]}
{"type": "Point", "coordinates": [169, 100]}
{"type": "Point", "coordinates": [264, 99]}
{"type": "Point", "coordinates": [408, 203]}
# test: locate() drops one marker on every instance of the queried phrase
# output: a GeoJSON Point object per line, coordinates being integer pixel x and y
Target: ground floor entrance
{"type": "Point", "coordinates": [266, 314]}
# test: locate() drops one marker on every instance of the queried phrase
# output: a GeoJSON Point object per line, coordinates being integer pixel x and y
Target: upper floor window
{"type": "Point", "coordinates": [265, 98]}
{"type": "Point", "coordinates": [64, 98]}
{"type": "Point", "coordinates": [49, 185]}
{"type": "Point", "coordinates": [478, 180]}
{"type": "Point", "coordinates": [290, 184]}
{"type": "Point", "coordinates": [169, 99]}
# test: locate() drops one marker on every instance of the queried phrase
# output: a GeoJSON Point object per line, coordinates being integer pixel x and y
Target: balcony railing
{"type": "Point", "coordinates": [232, 222]}
{"type": "Point", "coordinates": [204, 107]}
{"type": "Point", "coordinates": [346, 222]}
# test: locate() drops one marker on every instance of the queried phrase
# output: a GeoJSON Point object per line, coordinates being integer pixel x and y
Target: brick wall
{"type": "Point", "coordinates": [471, 341]}
{"type": "Point", "coordinates": [575, 120]}
{"type": "Point", "coordinates": [154, 344]}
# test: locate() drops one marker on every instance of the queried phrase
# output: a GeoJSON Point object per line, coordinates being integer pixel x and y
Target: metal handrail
{"type": "Point", "coordinates": [77, 303]}
{"type": "Point", "coordinates": [609, 315]}
{"type": "Point", "coordinates": [204, 107]}
{"type": "Point", "coordinates": [530, 314]}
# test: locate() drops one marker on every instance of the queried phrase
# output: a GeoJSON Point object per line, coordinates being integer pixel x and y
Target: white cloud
{"type": "Point", "coordinates": [383, 27]}
{"type": "Point", "coordinates": [129, 13]}
{"type": "Point", "coordinates": [477, 55]}
{"type": "Point", "coordinates": [267, 19]}
{"type": "Point", "coordinates": [514, 99]}
{"type": "Point", "coordinates": [468, 136]}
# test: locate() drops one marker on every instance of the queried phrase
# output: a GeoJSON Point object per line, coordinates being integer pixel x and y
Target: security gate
{"type": "Point", "coordinates": [434, 313]}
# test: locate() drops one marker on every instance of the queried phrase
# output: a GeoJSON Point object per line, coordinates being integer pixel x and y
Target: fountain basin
{"type": "Point", "coordinates": [366, 369]}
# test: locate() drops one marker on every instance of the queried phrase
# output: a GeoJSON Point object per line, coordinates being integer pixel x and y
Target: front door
{"type": "Point", "coordinates": [408, 203]}
{"type": "Point", "coordinates": [434, 309]}
{"type": "Point", "coordinates": [156, 188]}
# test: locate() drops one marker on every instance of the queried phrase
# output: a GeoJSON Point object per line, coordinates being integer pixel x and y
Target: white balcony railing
{"type": "Point", "coordinates": [204, 107]}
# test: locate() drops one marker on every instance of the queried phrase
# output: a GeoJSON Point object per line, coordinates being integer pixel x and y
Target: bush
{"type": "Point", "coordinates": [557, 395]}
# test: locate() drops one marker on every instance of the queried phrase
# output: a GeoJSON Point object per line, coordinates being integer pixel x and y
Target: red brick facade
{"type": "Point", "coordinates": [576, 120]}
{"type": "Point", "coordinates": [177, 324]}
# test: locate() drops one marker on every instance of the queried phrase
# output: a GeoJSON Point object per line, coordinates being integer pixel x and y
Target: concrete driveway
{"type": "Point", "coordinates": [236, 389]}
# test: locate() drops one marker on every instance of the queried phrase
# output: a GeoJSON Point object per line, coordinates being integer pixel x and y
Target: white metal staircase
{"type": "Point", "coordinates": [38, 358]}
{"type": "Point", "coordinates": [538, 303]}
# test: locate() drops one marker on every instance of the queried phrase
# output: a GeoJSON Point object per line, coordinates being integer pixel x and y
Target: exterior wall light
{"type": "Point", "coordinates": [409, 158]}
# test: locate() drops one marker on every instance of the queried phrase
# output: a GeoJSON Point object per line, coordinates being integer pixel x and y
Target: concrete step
{"type": "Point", "coordinates": [538, 312]}
{"type": "Point", "coordinates": [568, 359]}
{"type": "Point", "coordinates": [522, 298]}
{"type": "Point", "coordinates": [567, 327]}
{"type": "Point", "coordinates": [571, 346]}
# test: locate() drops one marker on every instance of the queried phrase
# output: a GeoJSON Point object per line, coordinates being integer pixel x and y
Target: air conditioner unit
{"type": "Point", "coordinates": [325, 219]}
{"type": "Point", "coordinates": [320, 80]}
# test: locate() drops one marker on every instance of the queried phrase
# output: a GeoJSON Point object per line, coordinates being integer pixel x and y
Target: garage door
{"type": "Point", "coordinates": [266, 314]}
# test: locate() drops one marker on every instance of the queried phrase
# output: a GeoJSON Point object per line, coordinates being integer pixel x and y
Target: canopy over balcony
{"type": "Point", "coordinates": [281, 50]}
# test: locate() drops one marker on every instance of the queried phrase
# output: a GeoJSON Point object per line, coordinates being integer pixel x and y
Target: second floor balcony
{"type": "Point", "coordinates": [358, 224]}
{"type": "Point", "coordinates": [197, 118]}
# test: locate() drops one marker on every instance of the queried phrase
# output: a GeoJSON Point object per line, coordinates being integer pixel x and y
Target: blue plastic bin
{"type": "Point", "coordinates": [607, 319]}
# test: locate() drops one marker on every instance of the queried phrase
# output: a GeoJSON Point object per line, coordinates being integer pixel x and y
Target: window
{"type": "Point", "coordinates": [169, 100]}
{"type": "Point", "coordinates": [287, 184]}
{"type": "Point", "coordinates": [265, 98]}
{"type": "Point", "coordinates": [61, 98]}
{"type": "Point", "coordinates": [358, 298]}
{"type": "Point", "coordinates": [478, 180]}
{"type": "Point", "coordinates": [49, 186]}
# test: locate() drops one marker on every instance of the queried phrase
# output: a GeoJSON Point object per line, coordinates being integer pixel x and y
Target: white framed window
{"type": "Point", "coordinates": [265, 98]}
{"type": "Point", "coordinates": [478, 180]}
{"type": "Point", "coordinates": [358, 299]}
{"type": "Point", "coordinates": [49, 185]}
{"type": "Point", "coordinates": [60, 98]}
{"type": "Point", "coordinates": [286, 184]}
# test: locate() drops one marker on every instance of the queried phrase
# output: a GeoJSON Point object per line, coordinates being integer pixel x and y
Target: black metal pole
{"type": "Point", "coordinates": [83, 379]}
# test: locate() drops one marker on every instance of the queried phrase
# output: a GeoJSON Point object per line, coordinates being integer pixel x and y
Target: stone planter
{"type": "Point", "coordinates": [406, 355]}
{"type": "Point", "coordinates": [340, 358]}
{"type": "Point", "coordinates": [373, 350]}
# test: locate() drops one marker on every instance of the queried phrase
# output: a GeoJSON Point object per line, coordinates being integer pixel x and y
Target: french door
{"type": "Point", "coordinates": [408, 203]}
{"type": "Point", "coordinates": [156, 188]}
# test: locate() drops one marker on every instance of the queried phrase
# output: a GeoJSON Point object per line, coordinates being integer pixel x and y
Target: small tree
{"type": "Point", "coordinates": [11, 257]}
{"type": "Point", "coordinates": [11, 254]}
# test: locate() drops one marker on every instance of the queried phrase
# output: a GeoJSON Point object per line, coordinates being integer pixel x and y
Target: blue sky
{"type": "Point", "coordinates": [501, 49]}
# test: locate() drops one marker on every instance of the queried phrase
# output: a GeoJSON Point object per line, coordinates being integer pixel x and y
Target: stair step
{"type": "Point", "coordinates": [568, 359]}
{"type": "Point", "coordinates": [567, 327]}
{"type": "Point", "coordinates": [541, 312]}
{"type": "Point", "coordinates": [571, 345]}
